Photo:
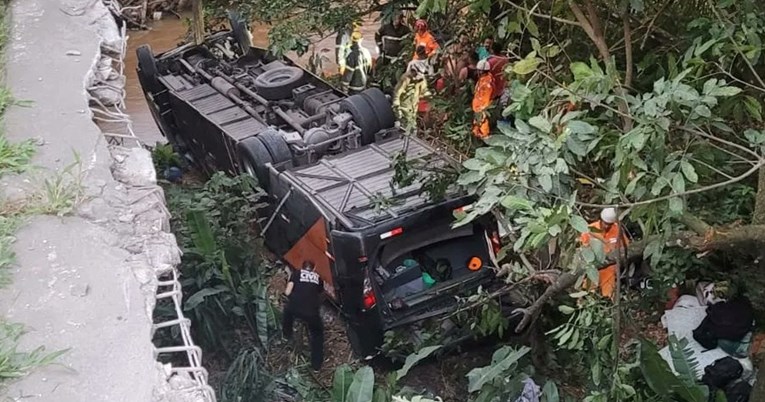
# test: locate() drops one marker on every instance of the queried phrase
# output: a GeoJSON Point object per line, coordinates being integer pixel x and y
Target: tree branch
{"type": "Point", "coordinates": [758, 218]}
{"type": "Point", "coordinates": [653, 21]}
{"type": "Point", "coordinates": [695, 224]}
{"type": "Point", "coordinates": [540, 15]}
{"type": "Point", "coordinates": [589, 28]}
{"type": "Point", "coordinates": [627, 46]}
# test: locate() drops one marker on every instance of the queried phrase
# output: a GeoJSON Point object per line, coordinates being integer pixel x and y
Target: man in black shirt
{"type": "Point", "coordinates": [390, 39]}
{"type": "Point", "coordinates": [303, 291]}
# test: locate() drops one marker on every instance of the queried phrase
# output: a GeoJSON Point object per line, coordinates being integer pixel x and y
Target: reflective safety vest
{"type": "Point", "coordinates": [342, 47]}
{"type": "Point", "coordinates": [481, 101]}
{"type": "Point", "coordinates": [357, 65]}
{"type": "Point", "coordinates": [610, 241]}
{"type": "Point", "coordinates": [425, 39]}
{"type": "Point", "coordinates": [406, 99]}
{"type": "Point", "coordinates": [390, 40]}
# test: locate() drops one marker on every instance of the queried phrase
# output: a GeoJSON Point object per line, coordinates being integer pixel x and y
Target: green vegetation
{"type": "Point", "coordinates": [650, 106]}
{"type": "Point", "coordinates": [225, 275]}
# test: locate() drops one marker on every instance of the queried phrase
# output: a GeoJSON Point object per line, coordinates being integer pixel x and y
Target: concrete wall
{"type": "Point", "coordinates": [87, 281]}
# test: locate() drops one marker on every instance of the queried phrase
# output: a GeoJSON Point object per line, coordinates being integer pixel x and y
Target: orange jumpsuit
{"type": "Point", "coordinates": [610, 239]}
{"type": "Point", "coordinates": [427, 40]}
{"type": "Point", "coordinates": [484, 89]}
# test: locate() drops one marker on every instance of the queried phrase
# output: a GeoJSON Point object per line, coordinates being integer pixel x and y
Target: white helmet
{"type": "Point", "coordinates": [483, 65]}
{"type": "Point", "coordinates": [608, 215]}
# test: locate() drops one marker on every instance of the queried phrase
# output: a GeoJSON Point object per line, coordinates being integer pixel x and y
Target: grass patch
{"type": "Point", "coordinates": [15, 364]}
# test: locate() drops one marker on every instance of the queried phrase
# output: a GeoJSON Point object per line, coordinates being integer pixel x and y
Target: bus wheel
{"type": "Point", "coordinates": [276, 145]}
{"type": "Point", "coordinates": [253, 157]}
{"type": "Point", "coordinates": [363, 115]}
{"type": "Point", "coordinates": [148, 65]}
{"type": "Point", "coordinates": [381, 106]}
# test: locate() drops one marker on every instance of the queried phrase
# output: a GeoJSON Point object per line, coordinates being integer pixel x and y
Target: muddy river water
{"type": "Point", "coordinates": [169, 32]}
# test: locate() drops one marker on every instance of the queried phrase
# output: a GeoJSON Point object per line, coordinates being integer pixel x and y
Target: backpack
{"type": "Point", "coordinates": [738, 391]}
{"type": "Point", "coordinates": [730, 320]}
{"type": "Point", "coordinates": [722, 372]}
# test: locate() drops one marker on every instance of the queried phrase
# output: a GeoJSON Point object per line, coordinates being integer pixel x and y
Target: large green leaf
{"type": "Point", "coordinates": [194, 300]}
{"type": "Point", "coordinates": [415, 358]}
{"type": "Point", "coordinates": [362, 387]}
{"type": "Point", "coordinates": [682, 360]}
{"type": "Point", "coordinates": [526, 66]}
{"type": "Point", "coordinates": [261, 315]}
{"type": "Point", "coordinates": [201, 232]}
{"type": "Point", "coordinates": [513, 203]}
{"type": "Point", "coordinates": [503, 359]}
{"type": "Point", "coordinates": [578, 223]}
{"type": "Point", "coordinates": [550, 392]}
{"type": "Point", "coordinates": [662, 380]}
{"type": "Point", "coordinates": [341, 382]}
{"type": "Point", "coordinates": [541, 123]}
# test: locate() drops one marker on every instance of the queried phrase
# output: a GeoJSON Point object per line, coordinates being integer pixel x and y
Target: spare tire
{"type": "Point", "coordinates": [253, 157]}
{"type": "Point", "coordinates": [276, 145]}
{"type": "Point", "coordinates": [363, 115]}
{"type": "Point", "coordinates": [148, 71]}
{"type": "Point", "coordinates": [381, 106]}
{"type": "Point", "coordinates": [278, 83]}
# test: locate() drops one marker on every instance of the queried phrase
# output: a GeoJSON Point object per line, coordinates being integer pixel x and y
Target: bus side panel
{"type": "Point", "coordinates": [198, 129]}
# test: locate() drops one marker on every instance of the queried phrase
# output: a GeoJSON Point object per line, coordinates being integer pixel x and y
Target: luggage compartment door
{"type": "Point", "coordinates": [299, 233]}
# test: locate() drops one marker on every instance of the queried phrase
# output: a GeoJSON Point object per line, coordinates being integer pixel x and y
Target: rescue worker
{"type": "Point", "coordinates": [455, 60]}
{"type": "Point", "coordinates": [343, 44]}
{"type": "Point", "coordinates": [358, 63]}
{"type": "Point", "coordinates": [423, 37]}
{"type": "Point", "coordinates": [484, 89]}
{"type": "Point", "coordinates": [303, 300]}
{"type": "Point", "coordinates": [390, 37]}
{"type": "Point", "coordinates": [607, 232]}
{"type": "Point", "coordinates": [410, 89]}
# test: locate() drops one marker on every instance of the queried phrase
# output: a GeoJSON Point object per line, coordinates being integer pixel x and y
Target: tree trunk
{"type": "Point", "coordinates": [758, 218]}
{"type": "Point", "coordinates": [198, 21]}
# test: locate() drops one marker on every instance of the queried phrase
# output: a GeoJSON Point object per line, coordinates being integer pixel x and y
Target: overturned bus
{"type": "Point", "coordinates": [325, 159]}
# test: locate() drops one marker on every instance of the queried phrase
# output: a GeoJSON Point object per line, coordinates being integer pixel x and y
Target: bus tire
{"type": "Point", "coordinates": [276, 145]}
{"type": "Point", "coordinates": [253, 157]}
{"type": "Point", "coordinates": [149, 72]}
{"type": "Point", "coordinates": [381, 106]}
{"type": "Point", "coordinates": [363, 115]}
{"type": "Point", "coordinates": [278, 83]}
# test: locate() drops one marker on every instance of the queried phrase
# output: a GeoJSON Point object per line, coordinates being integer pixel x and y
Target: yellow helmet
{"type": "Point", "coordinates": [356, 36]}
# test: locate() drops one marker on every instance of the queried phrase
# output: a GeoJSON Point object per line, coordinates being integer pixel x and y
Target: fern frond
{"type": "Point", "coordinates": [686, 366]}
